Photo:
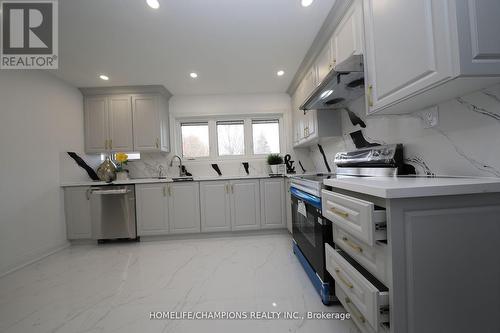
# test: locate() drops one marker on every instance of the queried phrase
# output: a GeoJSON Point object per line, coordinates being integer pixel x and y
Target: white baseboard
{"type": "Point", "coordinates": [36, 259]}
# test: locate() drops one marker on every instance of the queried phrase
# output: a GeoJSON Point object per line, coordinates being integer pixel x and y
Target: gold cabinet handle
{"type": "Point", "coordinates": [352, 245]}
{"type": "Point", "coordinates": [169, 191]}
{"type": "Point", "coordinates": [165, 191]}
{"type": "Point", "coordinates": [157, 143]}
{"type": "Point", "coordinates": [106, 144]}
{"type": "Point", "coordinates": [341, 278]}
{"type": "Point", "coordinates": [354, 311]}
{"type": "Point", "coordinates": [110, 144]}
{"type": "Point", "coordinates": [87, 193]}
{"type": "Point", "coordinates": [339, 212]}
{"type": "Point", "coordinates": [370, 95]}
{"type": "Point", "coordinates": [226, 189]}
{"type": "Point", "coordinates": [232, 189]}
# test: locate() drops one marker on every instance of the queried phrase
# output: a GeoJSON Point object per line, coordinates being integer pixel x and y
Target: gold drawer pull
{"type": "Point", "coordinates": [347, 283]}
{"type": "Point", "coordinates": [370, 95]}
{"type": "Point", "coordinates": [339, 212]}
{"type": "Point", "coordinates": [355, 312]}
{"type": "Point", "coordinates": [352, 245]}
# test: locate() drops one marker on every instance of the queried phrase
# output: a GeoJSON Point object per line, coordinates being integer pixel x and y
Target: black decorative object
{"type": "Point", "coordinates": [92, 174]}
{"type": "Point", "coordinates": [302, 167]}
{"type": "Point", "coordinates": [185, 172]}
{"type": "Point", "coordinates": [245, 165]}
{"type": "Point", "coordinates": [289, 164]}
{"type": "Point", "coordinates": [216, 168]}
{"type": "Point", "coordinates": [355, 120]}
{"type": "Point", "coordinates": [360, 141]}
{"type": "Point", "coordinates": [324, 158]}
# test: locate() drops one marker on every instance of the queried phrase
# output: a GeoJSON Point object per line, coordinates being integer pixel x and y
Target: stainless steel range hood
{"type": "Point", "coordinates": [342, 85]}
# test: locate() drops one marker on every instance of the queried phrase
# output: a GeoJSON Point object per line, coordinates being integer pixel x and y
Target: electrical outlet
{"type": "Point", "coordinates": [429, 116]}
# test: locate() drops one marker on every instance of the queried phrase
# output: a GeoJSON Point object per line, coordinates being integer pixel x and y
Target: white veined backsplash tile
{"type": "Point", "coordinates": [466, 141]}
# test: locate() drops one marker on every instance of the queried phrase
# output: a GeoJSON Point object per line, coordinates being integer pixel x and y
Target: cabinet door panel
{"type": "Point", "coordinates": [147, 122]}
{"type": "Point", "coordinates": [184, 208]}
{"type": "Point", "coordinates": [347, 38]}
{"type": "Point", "coordinates": [245, 205]}
{"type": "Point", "coordinates": [324, 63]}
{"type": "Point", "coordinates": [120, 123]}
{"type": "Point", "coordinates": [215, 206]}
{"type": "Point", "coordinates": [151, 206]}
{"type": "Point", "coordinates": [272, 198]}
{"type": "Point", "coordinates": [77, 209]}
{"type": "Point", "coordinates": [96, 124]}
{"type": "Point", "coordinates": [410, 58]}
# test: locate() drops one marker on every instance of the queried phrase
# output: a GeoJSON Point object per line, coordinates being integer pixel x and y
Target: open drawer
{"type": "Point", "coordinates": [365, 298]}
{"type": "Point", "coordinates": [360, 218]}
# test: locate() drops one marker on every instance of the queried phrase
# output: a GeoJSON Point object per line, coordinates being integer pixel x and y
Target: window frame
{"type": "Point", "coordinates": [212, 120]}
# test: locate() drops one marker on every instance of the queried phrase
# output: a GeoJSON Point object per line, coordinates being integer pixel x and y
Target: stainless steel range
{"type": "Point", "coordinates": [310, 230]}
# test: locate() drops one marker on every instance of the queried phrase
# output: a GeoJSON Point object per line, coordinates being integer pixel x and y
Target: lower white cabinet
{"type": "Point", "coordinates": [184, 207]}
{"type": "Point", "coordinates": [77, 210]}
{"type": "Point", "coordinates": [245, 204]}
{"type": "Point", "coordinates": [151, 209]}
{"type": "Point", "coordinates": [172, 208]}
{"type": "Point", "coordinates": [215, 206]}
{"type": "Point", "coordinates": [272, 199]}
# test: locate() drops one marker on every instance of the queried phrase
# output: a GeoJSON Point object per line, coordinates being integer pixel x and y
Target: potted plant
{"type": "Point", "coordinates": [276, 165]}
{"type": "Point", "coordinates": [121, 161]}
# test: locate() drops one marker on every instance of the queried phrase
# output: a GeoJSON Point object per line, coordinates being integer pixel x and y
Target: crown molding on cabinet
{"type": "Point", "coordinates": [337, 12]}
{"type": "Point", "coordinates": [148, 89]}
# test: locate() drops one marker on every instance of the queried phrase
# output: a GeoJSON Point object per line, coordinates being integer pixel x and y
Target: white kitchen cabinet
{"type": "Point", "coordinates": [151, 209]}
{"type": "Point", "coordinates": [77, 210]}
{"type": "Point", "coordinates": [245, 204]}
{"type": "Point", "coordinates": [150, 123]}
{"type": "Point", "coordinates": [420, 53]}
{"type": "Point", "coordinates": [215, 206]}
{"type": "Point", "coordinates": [348, 36]}
{"type": "Point", "coordinates": [288, 204]}
{"type": "Point", "coordinates": [96, 124]}
{"type": "Point", "coordinates": [324, 62]}
{"type": "Point", "coordinates": [272, 203]}
{"type": "Point", "coordinates": [120, 123]}
{"type": "Point", "coordinates": [126, 120]}
{"type": "Point", "coordinates": [184, 207]}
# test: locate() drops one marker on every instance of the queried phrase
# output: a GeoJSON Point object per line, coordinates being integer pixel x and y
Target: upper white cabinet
{"type": "Point", "coordinates": [245, 204]}
{"type": "Point", "coordinates": [126, 119]}
{"type": "Point", "coordinates": [215, 206]}
{"type": "Point", "coordinates": [184, 207]}
{"type": "Point", "coordinates": [151, 209]}
{"type": "Point", "coordinates": [272, 202]}
{"type": "Point", "coordinates": [77, 209]}
{"type": "Point", "coordinates": [419, 53]}
{"type": "Point", "coordinates": [347, 39]}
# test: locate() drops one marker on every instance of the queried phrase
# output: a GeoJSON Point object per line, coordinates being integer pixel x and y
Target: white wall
{"type": "Point", "coordinates": [204, 105]}
{"type": "Point", "coordinates": [40, 117]}
{"type": "Point", "coordinates": [464, 143]}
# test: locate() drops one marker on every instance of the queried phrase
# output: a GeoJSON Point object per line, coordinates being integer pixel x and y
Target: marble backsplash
{"type": "Point", "coordinates": [465, 142]}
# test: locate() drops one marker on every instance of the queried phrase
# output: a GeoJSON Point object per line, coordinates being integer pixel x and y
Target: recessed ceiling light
{"type": "Point", "coordinates": [104, 77]}
{"type": "Point", "coordinates": [155, 4]}
{"type": "Point", "coordinates": [306, 3]}
{"type": "Point", "coordinates": [193, 75]}
{"type": "Point", "coordinates": [280, 73]}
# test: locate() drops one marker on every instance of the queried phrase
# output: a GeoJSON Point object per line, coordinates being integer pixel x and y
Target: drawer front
{"type": "Point", "coordinates": [362, 295]}
{"type": "Point", "coordinates": [373, 258]}
{"type": "Point", "coordinates": [358, 217]}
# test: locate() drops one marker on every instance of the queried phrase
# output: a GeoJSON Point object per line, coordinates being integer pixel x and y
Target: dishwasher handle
{"type": "Point", "coordinates": [114, 191]}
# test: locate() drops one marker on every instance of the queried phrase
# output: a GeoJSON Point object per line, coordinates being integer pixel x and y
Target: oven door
{"type": "Point", "coordinates": [310, 230]}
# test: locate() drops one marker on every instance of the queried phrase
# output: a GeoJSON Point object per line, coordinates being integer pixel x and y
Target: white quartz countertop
{"type": "Point", "coordinates": [157, 180]}
{"type": "Point", "coordinates": [410, 187]}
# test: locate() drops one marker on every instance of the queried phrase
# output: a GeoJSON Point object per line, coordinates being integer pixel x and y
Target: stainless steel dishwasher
{"type": "Point", "coordinates": [113, 212]}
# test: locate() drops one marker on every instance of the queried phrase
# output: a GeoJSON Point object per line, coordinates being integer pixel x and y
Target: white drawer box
{"type": "Point", "coordinates": [360, 218]}
{"type": "Point", "coordinates": [362, 298]}
{"type": "Point", "coordinates": [373, 258]}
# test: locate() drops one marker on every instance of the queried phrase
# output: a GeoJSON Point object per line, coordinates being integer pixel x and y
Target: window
{"type": "Point", "coordinates": [231, 138]}
{"type": "Point", "coordinates": [194, 138]}
{"type": "Point", "coordinates": [266, 136]}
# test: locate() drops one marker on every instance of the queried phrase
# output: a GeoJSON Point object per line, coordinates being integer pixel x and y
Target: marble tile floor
{"type": "Point", "coordinates": [114, 287]}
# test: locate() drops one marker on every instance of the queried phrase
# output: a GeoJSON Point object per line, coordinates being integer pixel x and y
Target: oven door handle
{"type": "Point", "coordinates": [306, 197]}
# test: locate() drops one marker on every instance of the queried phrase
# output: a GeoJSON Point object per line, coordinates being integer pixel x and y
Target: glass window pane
{"type": "Point", "coordinates": [230, 137]}
{"type": "Point", "coordinates": [266, 136]}
{"type": "Point", "coordinates": [194, 140]}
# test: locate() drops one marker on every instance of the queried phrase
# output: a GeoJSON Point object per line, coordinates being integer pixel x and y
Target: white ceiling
{"type": "Point", "coordinates": [236, 46]}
